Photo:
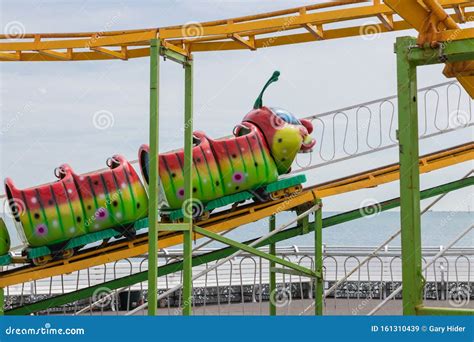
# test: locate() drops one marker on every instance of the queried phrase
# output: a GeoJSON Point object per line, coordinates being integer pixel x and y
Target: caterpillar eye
{"type": "Point", "coordinates": [286, 116]}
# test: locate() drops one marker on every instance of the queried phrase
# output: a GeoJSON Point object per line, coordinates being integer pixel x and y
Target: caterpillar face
{"type": "Point", "coordinates": [284, 133]}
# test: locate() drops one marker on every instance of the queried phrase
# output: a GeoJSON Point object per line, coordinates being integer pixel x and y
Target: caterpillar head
{"type": "Point", "coordinates": [284, 133]}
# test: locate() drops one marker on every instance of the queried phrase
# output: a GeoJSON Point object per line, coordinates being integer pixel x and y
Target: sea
{"type": "Point", "coordinates": [439, 228]}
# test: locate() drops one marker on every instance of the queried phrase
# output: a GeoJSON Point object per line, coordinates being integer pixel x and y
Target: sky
{"type": "Point", "coordinates": [49, 111]}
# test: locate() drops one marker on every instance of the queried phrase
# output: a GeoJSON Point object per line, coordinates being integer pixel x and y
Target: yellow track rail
{"type": "Point", "coordinates": [231, 219]}
{"type": "Point", "coordinates": [249, 32]}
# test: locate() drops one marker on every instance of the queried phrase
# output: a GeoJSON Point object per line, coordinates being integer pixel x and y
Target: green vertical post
{"type": "Point", "coordinates": [2, 301]}
{"type": "Point", "coordinates": [272, 280]}
{"type": "Point", "coordinates": [153, 181]}
{"type": "Point", "coordinates": [318, 260]}
{"type": "Point", "coordinates": [409, 178]}
{"type": "Point", "coordinates": [188, 189]}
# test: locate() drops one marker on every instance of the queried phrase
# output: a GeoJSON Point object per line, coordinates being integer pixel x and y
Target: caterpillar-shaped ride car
{"type": "Point", "coordinates": [56, 219]}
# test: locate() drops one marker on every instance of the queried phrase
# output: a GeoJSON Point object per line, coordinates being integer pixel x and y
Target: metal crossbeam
{"type": "Point", "coordinates": [455, 51]}
{"type": "Point", "coordinates": [300, 270]}
{"type": "Point", "coordinates": [173, 227]}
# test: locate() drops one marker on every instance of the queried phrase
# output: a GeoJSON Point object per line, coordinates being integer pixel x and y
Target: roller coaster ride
{"type": "Point", "coordinates": [179, 203]}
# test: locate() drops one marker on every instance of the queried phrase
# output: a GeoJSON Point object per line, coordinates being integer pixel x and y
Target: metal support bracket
{"type": "Point", "coordinates": [170, 51]}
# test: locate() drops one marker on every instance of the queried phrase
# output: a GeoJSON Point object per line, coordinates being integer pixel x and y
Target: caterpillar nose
{"type": "Point", "coordinates": [308, 143]}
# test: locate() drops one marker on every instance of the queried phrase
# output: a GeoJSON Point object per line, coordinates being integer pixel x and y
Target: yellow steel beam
{"type": "Point", "coordinates": [250, 43]}
{"type": "Point", "coordinates": [87, 43]}
{"type": "Point", "coordinates": [231, 219]}
{"type": "Point", "coordinates": [65, 56]}
{"type": "Point", "coordinates": [437, 10]}
{"type": "Point", "coordinates": [122, 54]}
{"type": "Point", "coordinates": [468, 83]}
{"type": "Point", "coordinates": [15, 56]}
{"type": "Point", "coordinates": [230, 34]}
{"type": "Point", "coordinates": [177, 49]}
{"type": "Point", "coordinates": [457, 34]}
{"type": "Point", "coordinates": [387, 20]}
{"type": "Point", "coordinates": [209, 23]}
{"type": "Point", "coordinates": [83, 55]}
{"type": "Point", "coordinates": [297, 38]}
{"type": "Point", "coordinates": [390, 173]}
{"type": "Point", "coordinates": [460, 13]}
{"type": "Point", "coordinates": [457, 69]}
{"type": "Point", "coordinates": [417, 12]}
{"type": "Point", "coordinates": [279, 24]}
{"type": "Point", "coordinates": [434, 25]}
{"type": "Point", "coordinates": [315, 30]}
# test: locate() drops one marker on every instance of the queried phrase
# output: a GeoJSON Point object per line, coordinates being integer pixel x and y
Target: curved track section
{"type": "Point", "coordinates": [291, 26]}
{"type": "Point", "coordinates": [231, 219]}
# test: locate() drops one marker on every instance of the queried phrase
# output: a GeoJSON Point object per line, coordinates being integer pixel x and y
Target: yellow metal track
{"type": "Point", "coordinates": [249, 32]}
{"type": "Point", "coordinates": [231, 219]}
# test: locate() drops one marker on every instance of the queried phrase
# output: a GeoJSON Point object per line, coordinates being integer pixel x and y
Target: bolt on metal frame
{"type": "Point", "coordinates": [409, 57]}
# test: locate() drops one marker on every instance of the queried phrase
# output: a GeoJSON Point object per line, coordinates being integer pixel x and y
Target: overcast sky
{"type": "Point", "coordinates": [48, 108]}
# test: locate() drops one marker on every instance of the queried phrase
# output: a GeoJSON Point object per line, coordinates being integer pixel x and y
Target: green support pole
{"type": "Point", "coordinates": [318, 262]}
{"type": "Point", "coordinates": [2, 301]}
{"type": "Point", "coordinates": [153, 183]}
{"type": "Point", "coordinates": [410, 216]}
{"type": "Point", "coordinates": [272, 281]}
{"type": "Point", "coordinates": [188, 189]}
